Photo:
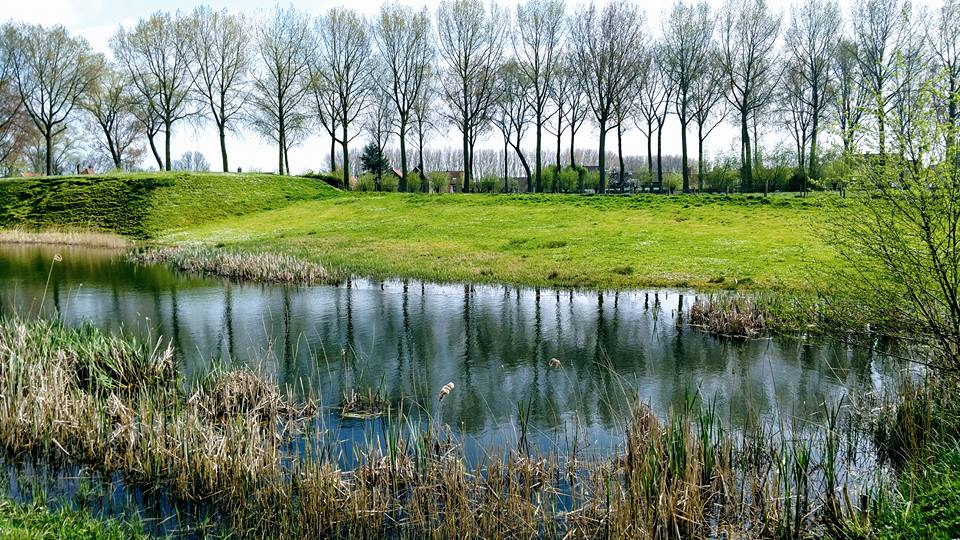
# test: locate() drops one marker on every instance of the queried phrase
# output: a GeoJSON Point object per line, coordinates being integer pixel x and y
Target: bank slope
{"type": "Point", "coordinates": [143, 204]}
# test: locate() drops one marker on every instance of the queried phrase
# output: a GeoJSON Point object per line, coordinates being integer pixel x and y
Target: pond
{"type": "Point", "coordinates": [407, 339]}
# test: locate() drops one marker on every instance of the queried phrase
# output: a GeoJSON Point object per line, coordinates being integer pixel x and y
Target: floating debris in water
{"type": "Point", "coordinates": [555, 362]}
{"type": "Point", "coordinates": [447, 388]}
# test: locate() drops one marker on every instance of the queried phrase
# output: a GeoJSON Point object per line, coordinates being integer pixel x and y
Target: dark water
{"type": "Point", "coordinates": [409, 338]}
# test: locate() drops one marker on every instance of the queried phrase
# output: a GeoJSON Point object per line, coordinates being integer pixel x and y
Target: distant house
{"type": "Point", "coordinates": [456, 181]}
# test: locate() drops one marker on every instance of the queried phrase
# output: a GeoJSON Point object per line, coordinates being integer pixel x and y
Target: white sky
{"type": "Point", "coordinates": [97, 20]}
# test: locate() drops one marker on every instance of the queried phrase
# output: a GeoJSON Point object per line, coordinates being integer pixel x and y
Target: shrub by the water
{"type": "Point", "coordinates": [244, 266]}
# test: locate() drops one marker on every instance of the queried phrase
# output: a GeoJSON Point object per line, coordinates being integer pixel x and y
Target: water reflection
{"type": "Point", "coordinates": [409, 338]}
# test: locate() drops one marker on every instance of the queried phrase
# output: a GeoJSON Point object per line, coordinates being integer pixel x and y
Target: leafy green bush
{"type": "Point", "coordinates": [439, 181]}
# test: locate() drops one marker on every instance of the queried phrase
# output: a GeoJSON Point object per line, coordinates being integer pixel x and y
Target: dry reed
{"type": "Point", "coordinates": [730, 315]}
{"type": "Point", "coordinates": [270, 468]}
{"type": "Point", "coordinates": [244, 266]}
{"type": "Point", "coordinates": [66, 238]}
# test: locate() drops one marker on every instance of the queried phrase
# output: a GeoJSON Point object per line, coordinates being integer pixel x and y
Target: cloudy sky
{"type": "Point", "coordinates": [97, 20]}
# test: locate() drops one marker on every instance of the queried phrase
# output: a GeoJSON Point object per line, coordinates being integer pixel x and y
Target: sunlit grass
{"type": "Point", "coordinates": [612, 242]}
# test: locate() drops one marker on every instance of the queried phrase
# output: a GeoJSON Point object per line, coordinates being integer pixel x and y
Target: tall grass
{"type": "Point", "coordinates": [64, 237]}
{"type": "Point", "coordinates": [269, 467]}
{"type": "Point", "coordinates": [244, 266]}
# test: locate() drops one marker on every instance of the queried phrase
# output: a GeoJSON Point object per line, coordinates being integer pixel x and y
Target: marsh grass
{"type": "Point", "coordinates": [269, 466]}
{"type": "Point", "coordinates": [363, 403]}
{"type": "Point", "coordinates": [64, 238]}
{"type": "Point", "coordinates": [243, 266]}
{"type": "Point", "coordinates": [731, 315]}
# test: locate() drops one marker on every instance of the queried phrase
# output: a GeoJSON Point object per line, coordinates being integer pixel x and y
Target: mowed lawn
{"type": "Point", "coordinates": [564, 240]}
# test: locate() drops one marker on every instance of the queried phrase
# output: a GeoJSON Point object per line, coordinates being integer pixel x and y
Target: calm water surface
{"type": "Point", "coordinates": [409, 338]}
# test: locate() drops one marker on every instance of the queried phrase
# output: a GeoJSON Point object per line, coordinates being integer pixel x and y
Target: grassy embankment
{"type": "Point", "coordinates": [557, 240]}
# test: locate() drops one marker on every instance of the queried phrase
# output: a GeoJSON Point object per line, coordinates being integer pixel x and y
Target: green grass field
{"type": "Point", "coordinates": [561, 240]}
{"type": "Point", "coordinates": [30, 522]}
{"type": "Point", "coordinates": [566, 240]}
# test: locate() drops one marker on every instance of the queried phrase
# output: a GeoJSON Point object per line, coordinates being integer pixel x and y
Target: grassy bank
{"type": "Point", "coordinates": [36, 522]}
{"type": "Point", "coordinates": [140, 205]}
{"type": "Point", "coordinates": [268, 466]}
{"type": "Point", "coordinates": [604, 242]}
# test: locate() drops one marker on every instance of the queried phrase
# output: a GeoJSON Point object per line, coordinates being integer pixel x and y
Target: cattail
{"type": "Point", "coordinates": [554, 362]}
{"type": "Point", "coordinates": [57, 258]}
{"type": "Point", "coordinates": [447, 388]}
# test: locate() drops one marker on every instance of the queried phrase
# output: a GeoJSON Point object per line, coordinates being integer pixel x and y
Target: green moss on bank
{"type": "Point", "coordinates": [142, 204]}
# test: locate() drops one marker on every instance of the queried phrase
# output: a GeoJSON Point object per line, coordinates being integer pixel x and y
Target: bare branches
{"type": "Point", "coordinates": [283, 43]}
{"type": "Point", "coordinates": [221, 62]}
{"type": "Point", "coordinates": [608, 49]}
{"type": "Point", "coordinates": [156, 55]}
{"type": "Point", "coordinates": [404, 42]}
{"type": "Point", "coordinates": [470, 43]}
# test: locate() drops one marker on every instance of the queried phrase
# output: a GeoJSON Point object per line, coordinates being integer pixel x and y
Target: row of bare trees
{"type": "Point", "coordinates": [532, 72]}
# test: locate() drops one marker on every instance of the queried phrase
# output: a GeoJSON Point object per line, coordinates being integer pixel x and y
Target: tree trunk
{"type": "Point", "coordinates": [223, 148]}
{"type": "Point", "coordinates": [650, 150]}
{"type": "Point", "coordinates": [701, 166]}
{"type": "Point", "coordinates": [660, 156]}
{"type": "Point", "coordinates": [746, 157]}
{"type": "Point", "coordinates": [346, 158]}
{"type": "Point", "coordinates": [466, 160]}
{"type": "Point", "coordinates": [573, 134]}
{"type": "Point", "coordinates": [815, 102]}
{"type": "Point", "coordinates": [620, 153]}
{"type": "Point", "coordinates": [538, 160]}
{"type": "Point", "coordinates": [166, 140]}
{"type": "Point", "coordinates": [281, 132]}
{"type": "Point", "coordinates": [683, 151]}
{"type": "Point", "coordinates": [559, 138]}
{"type": "Point", "coordinates": [153, 148]}
{"type": "Point", "coordinates": [602, 185]}
{"type": "Point", "coordinates": [402, 187]}
{"type": "Point", "coordinates": [881, 130]}
{"type": "Point", "coordinates": [333, 152]}
{"type": "Point", "coordinates": [506, 153]}
{"type": "Point", "coordinates": [48, 140]}
{"type": "Point", "coordinates": [423, 173]}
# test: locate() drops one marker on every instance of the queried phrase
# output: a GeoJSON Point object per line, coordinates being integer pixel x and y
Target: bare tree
{"type": "Point", "coordinates": [283, 41]}
{"type": "Point", "coordinates": [326, 106]}
{"type": "Point", "coordinates": [654, 105]}
{"type": "Point", "coordinates": [812, 38]}
{"type": "Point", "coordinates": [911, 75]}
{"type": "Point", "coordinates": [379, 124]}
{"type": "Point", "coordinates": [512, 113]}
{"type": "Point", "coordinates": [748, 36]}
{"type": "Point", "coordinates": [109, 103]}
{"type": "Point", "coordinates": [345, 64]}
{"type": "Point", "coordinates": [707, 109]}
{"type": "Point", "coordinates": [608, 45]}
{"type": "Point", "coordinates": [849, 95]}
{"type": "Point", "coordinates": [52, 70]}
{"type": "Point", "coordinates": [157, 58]}
{"type": "Point", "coordinates": [470, 43]}
{"type": "Point", "coordinates": [560, 91]}
{"type": "Point", "coordinates": [944, 38]}
{"type": "Point", "coordinates": [422, 117]}
{"type": "Point", "coordinates": [688, 34]}
{"type": "Point", "coordinates": [796, 110]}
{"type": "Point", "coordinates": [577, 107]}
{"type": "Point", "coordinates": [403, 37]}
{"type": "Point", "coordinates": [220, 67]}
{"type": "Point", "coordinates": [879, 31]}
{"type": "Point", "coordinates": [537, 42]}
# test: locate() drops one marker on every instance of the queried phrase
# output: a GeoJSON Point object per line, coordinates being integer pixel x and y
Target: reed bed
{"type": "Point", "coordinates": [64, 238]}
{"type": "Point", "coordinates": [270, 468]}
{"type": "Point", "coordinates": [244, 266]}
{"type": "Point", "coordinates": [731, 315]}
